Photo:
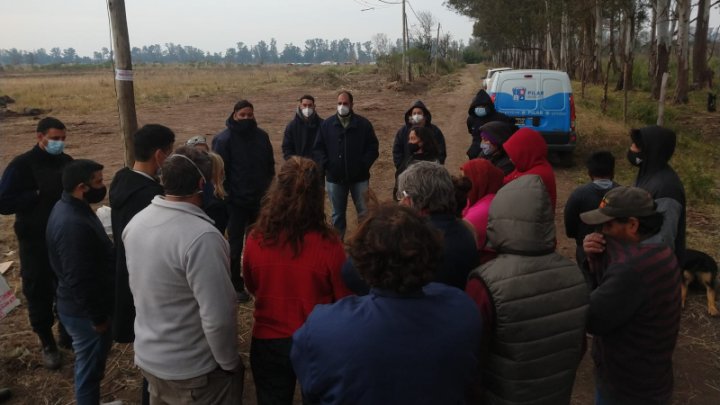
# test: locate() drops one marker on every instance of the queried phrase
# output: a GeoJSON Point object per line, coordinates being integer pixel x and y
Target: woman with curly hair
{"type": "Point", "coordinates": [291, 262]}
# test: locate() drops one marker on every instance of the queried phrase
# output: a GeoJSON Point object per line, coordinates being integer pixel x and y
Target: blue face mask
{"type": "Point", "coordinates": [480, 111]}
{"type": "Point", "coordinates": [55, 147]}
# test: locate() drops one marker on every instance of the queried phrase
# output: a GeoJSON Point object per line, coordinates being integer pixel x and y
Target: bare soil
{"type": "Point", "coordinates": [95, 136]}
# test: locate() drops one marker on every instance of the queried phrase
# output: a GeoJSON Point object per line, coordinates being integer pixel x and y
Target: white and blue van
{"type": "Point", "coordinates": [541, 100]}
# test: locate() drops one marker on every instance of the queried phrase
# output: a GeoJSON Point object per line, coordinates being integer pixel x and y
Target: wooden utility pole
{"type": "Point", "coordinates": [437, 47]}
{"type": "Point", "coordinates": [405, 59]}
{"type": "Point", "coordinates": [123, 77]}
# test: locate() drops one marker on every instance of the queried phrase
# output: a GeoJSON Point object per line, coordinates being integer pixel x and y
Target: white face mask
{"type": "Point", "coordinates": [307, 112]}
{"type": "Point", "coordinates": [343, 110]}
{"type": "Point", "coordinates": [416, 118]}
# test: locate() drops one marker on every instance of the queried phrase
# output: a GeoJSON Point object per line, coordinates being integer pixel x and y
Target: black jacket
{"type": "Point", "coordinates": [249, 162]}
{"type": "Point", "coordinates": [130, 193]}
{"type": "Point", "coordinates": [30, 187]}
{"type": "Point", "coordinates": [346, 154]}
{"type": "Point", "coordinates": [474, 122]}
{"type": "Point", "coordinates": [400, 148]}
{"type": "Point", "coordinates": [300, 136]}
{"type": "Point", "coordinates": [81, 255]}
{"type": "Point", "coordinates": [659, 179]}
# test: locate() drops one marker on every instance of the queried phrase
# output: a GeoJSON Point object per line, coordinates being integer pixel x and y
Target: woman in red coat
{"type": "Point", "coordinates": [291, 262]}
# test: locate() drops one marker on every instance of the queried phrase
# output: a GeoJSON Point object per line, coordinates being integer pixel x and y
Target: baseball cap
{"type": "Point", "coordinates": [196, 140]}
{"type": "Point", "coordinates": [621, 202]}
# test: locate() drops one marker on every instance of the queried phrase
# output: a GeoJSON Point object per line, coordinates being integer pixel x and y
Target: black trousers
{"type": "Point", "coordinates": [272, 370]}
{"type": "Point", "coordinates": [38, 285]}
{"type": "Point", "coordinates": [240, 218]}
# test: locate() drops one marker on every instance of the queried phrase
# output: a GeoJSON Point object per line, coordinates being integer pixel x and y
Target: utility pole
{"type": "Point", "coordinates": [437, 47]}
{"type": "Point", "coordinates": [405, 60]}
{"type": "Point", "coordinates": [123, 77]}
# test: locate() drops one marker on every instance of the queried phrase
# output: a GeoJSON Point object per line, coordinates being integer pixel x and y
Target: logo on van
{"type": "Point", "coordinates": [519, 93]}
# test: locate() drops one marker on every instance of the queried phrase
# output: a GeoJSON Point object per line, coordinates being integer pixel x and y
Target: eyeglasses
{"type": "Point", "coordinates": [400, 195]}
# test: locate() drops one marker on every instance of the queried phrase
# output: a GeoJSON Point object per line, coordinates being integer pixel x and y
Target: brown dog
{"type": "Point", "coordinates": [703, 268]}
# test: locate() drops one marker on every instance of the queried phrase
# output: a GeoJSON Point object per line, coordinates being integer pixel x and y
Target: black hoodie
{"type": "Point", "coordinates": [657, 146]}
{"type": "Point", "coordinates": [130, 193]}
{"type": "Point", "coordinates": [474, 122]}
{"type": "Point", "coordinates": [249, 162]}
{"type": "Point", "coordinates": [400, 146]}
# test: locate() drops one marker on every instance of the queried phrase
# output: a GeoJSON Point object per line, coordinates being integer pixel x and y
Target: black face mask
{"type": "Point", "coordinates": [635, 158]}
{"type": "Point", "coordinates": [413, 147]}
{"type": "Point", "coordinates": [245, 125]}
{"type": "Point", "coordinates": [95, 195]}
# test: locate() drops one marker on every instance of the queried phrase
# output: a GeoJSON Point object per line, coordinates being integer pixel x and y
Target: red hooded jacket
{"type": "Point", "coordinates": [528, 151]}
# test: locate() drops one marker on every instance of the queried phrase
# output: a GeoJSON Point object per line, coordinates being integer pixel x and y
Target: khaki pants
{"type": "Point", "coordinates": [215, 388]}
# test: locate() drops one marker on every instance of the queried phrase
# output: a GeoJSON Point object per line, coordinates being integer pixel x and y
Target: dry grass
{"type": "Point", "coordinates": [84, 92]}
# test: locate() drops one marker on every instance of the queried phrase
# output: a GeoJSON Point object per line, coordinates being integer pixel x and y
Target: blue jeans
{"type": "Point", "coordinates": [91, 350]}
{"type": "Point", "coordinates": [338, 194]}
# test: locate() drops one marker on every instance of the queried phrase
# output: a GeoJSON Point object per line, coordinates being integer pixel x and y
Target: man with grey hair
{"type": "Point", "coordinates": [179, 268]}
{"type": "Point", "coordinates": [428, 188]}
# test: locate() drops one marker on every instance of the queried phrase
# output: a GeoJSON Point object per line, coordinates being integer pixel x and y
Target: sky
{"type": "Point", "coordinates": [212, 25]}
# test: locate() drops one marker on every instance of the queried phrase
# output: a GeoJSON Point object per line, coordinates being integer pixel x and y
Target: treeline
{"type": "Point", "coordinates": [591, 38]}
{"type": "Point", "coordinates": [314, 51]}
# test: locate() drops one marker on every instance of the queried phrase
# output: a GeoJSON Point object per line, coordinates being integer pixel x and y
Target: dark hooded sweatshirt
{"type": "Point", "coordinates": [249, 162]}
{"type": "Point", "coordinates": [657, 146]}
{"type": "Point", "coordinates": [130, 193]}
{"type": "Point", "coordinates": [474, 122]}
{"type": "Point", "coordinates": [300, 135]}
{"type": "Point", "coordinates": [400, 146]}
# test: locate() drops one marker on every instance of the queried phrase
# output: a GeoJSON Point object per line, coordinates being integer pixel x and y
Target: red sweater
{"type": "Point", "coordinates": [287, 288]}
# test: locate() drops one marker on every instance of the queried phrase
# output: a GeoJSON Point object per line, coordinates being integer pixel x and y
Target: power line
{"type": "Point", "coordinates": [411, 9]}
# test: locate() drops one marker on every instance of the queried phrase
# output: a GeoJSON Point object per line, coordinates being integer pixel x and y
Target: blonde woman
{"type": "Point", "coordinates": [214, 194]}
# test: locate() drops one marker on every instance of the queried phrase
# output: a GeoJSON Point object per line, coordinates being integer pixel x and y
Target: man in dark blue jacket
{"type": "Point", "coordinates": [300, 133]}
{"type": "Point", "coordinates": [249, 169]}
{"type": "Point", "coordinates": [81, 255]}
{"type": "Point", "coordinates": [346, 147]}
{"type": "Point", "coordinates": [409, 341]}
{"type": "Point", "coordinates": [30, 187]}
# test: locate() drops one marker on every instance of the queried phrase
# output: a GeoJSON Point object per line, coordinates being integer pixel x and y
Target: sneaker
{"type": "Point", "coordinates": [51, 358]}
{"type": "Point", "coordinates": [242, 296]}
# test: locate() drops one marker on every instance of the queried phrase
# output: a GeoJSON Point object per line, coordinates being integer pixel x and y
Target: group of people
{"type": "Point", "coordinates": [452, 293]}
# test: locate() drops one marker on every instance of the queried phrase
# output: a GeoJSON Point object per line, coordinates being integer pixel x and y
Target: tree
{"type": "Point", "coordinates": [662, 30]}
{"type": "Point", "coordinates": [700, 67]}
{"type": "Point", "coordinates": [273, 56]}
{"type": "Point", "coordinates": [683, 45]}
{"type": "Point", "coordinates": [69, 55]}
{"type": "Point", "coordinates": [424, 31]}
{"type": "Point", "coordinates": [260, 52]}
{"type": "Point", "coordinates": [291, 54]}
{"type": "Point", "coordinates": [382, 44]}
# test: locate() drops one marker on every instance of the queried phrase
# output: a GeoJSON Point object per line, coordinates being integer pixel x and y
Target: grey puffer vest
{"type": "Point", "coordinates": [540, 300]}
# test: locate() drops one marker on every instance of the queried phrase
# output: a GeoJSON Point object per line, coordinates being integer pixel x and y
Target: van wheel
{"type": "Point", "coordinates": [562, 159]}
